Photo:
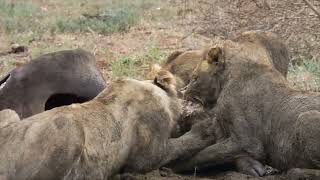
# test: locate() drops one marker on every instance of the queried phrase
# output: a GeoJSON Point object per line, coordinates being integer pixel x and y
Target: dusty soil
{"type": "Point", "coordinates": [136, 42]}
{"type": "Point", "coordinates": [293, 20]}
{"type": "Point", "coordinates": [158, 175]}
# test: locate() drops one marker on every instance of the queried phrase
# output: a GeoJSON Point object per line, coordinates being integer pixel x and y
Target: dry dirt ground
{"type": "Point", "coordinates": [134, 43]}
{"type": "Point", "coordinates": [296, 23]}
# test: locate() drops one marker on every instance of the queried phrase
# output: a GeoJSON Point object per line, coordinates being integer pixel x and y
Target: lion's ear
{"type": "Point", "coordinates": [165, 80]}
{"type": "Point", "coordinates": [215, 55]}
{"type": "Point", "coordinates": [172, 57]}
{"type": "Point", "coordinates": [154, 70]}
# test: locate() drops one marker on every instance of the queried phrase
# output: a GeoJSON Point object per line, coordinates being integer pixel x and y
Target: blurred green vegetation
{"type": "Point", "coordinates": [102, 16]}
{"type": "Point", "coordinates": [136, 67]}
{"type": "Point", "coordinates": [305, 75]}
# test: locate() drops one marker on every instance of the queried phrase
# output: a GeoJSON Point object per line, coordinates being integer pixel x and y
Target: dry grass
{"type": "Point", "coordinates": [136, 66]}
{"type": "Point", "coordinates": [293, 20]}
{"type": "Point", "coordinates": [126, 36]}
{"type": "Point", "coordinates": [305, 76]}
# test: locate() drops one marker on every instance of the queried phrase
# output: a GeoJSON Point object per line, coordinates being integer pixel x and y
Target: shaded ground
{"type": "Point", "coordinates": [157, 175]}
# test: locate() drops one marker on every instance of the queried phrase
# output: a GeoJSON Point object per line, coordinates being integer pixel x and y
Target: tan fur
{"type": "Point", "coordinates": [154, 69]}
{"type": "Point", "coordinates": [166, 80]}
{"type": "Point", "coordinates": [261, 118]}
{"type": "Point", "coordinates": [126, 127]}
{"type": "Point", "coordinates": [180, 64]}
{"type": "Point", "coordinates": [259, 46]}
{"type": "Point", "coordinates": [264, 47]}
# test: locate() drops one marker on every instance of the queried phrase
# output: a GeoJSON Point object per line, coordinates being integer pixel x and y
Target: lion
{"type": "Point", "coordinates": [260, 46]}
{"type": "Point", "coordinates": [126, 128]}
{"type": "Point", "coordinates": [180, 64]}
{"type": "Point", "coordinates": [264, 47]}
{"type": "Point", "coordinates": [51, 80]}
{"type": "Point", "coordinates": [261, 118]}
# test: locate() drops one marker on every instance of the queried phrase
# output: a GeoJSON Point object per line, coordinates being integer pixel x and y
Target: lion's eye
{"type": "Point", "coordinates": [194, 78]}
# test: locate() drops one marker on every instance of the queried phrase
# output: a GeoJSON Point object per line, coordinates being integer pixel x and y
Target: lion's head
{"type": "Point", "coordinates": [205, 84]}
{"type": "Point", "coordinates": [149, 96]}
{"type": "Point", "coordinates": [180, 64]}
